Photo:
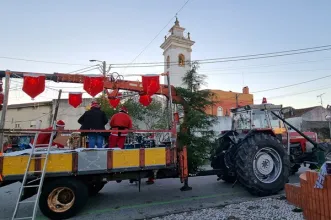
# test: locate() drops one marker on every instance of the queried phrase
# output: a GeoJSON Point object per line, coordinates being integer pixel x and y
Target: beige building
{"type": "Point", "coordinates": [24, 116]}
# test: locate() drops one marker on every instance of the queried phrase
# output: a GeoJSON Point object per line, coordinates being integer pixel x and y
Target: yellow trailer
{"type": "Point", "coordinates": [74, 175]}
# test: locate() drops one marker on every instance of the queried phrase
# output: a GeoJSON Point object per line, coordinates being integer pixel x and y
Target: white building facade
{"type": "Point", "coordinates": [177, 50]}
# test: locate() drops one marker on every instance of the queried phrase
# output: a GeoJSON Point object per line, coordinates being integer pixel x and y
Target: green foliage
{"type": "Point", "coordinates": [152, 116]}
{"type": "Point", "coordinates": [103, 101]}
{"type": "Point", "coordinates": [195, 130]}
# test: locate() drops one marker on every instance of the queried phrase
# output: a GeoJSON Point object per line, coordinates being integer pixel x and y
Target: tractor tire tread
{"type": "Point", "coordinates": [244, 165]}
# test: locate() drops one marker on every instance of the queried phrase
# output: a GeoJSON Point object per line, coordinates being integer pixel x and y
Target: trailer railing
{"type": "Point", "coordinates": [78, 139]}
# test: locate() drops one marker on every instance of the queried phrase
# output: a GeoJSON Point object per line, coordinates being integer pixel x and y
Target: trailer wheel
{"type": "Point", "coordinates": [95, 188]}
{"type": "Point", "coordinates": [63, 198]}
{"type": "Point", "coordinates": [262, 164]}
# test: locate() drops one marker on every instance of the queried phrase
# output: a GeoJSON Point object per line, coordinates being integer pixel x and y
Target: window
{"type": "Point", "coordinates": [17, 125]}
{"type": "Point", "coordinates": [181, 60]}
{"type": "Point", "coordinates": [219, 111]}
{"type": "Point", "coordinates": [32, 124]}
{"type": "Point", "coordinates": [168, 62]}
{"type": "Point", "coordinates": [241, 120]}
{"type": "Point", "coordinates": [260, 119]}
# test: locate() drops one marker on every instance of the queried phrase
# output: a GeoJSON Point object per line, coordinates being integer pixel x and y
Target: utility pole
{"type": "Point", "coordinates": [320, 96]}
{"type": "Point", "coordinates": [104, 72]}
{"type": "Point", "coordinates": [4, 109]}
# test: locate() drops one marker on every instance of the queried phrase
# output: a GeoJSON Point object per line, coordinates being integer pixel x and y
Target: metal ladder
{"type": "Point", "coordinates": [26, 184]}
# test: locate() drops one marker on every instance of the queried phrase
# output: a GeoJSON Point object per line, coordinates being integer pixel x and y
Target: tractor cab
{"type": "Point", "coordinates": [257, 117]}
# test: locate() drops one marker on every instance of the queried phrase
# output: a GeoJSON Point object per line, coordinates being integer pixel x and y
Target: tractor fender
{"type": "Point", "coordinates": [230, 135]}
{"type": "Point", "coordinates": [259, 131]}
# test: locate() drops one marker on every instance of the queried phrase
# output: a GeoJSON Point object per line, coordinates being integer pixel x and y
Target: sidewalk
{"type": "Point", "coordinates": [262, 209]}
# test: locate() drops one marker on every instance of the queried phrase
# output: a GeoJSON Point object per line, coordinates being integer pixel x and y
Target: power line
{"type": "Point", "coordinates": [293, 94]}
{"type": "Point", "coordinates": [205, 61]}
{"type": "Point", "coordinates": [42, 61]}
{"type": "Point", "coordinates": [278, 72]}
{"type": "Point", "coordinates": [86, 68]}
{"type": "Point", "coordinates": [268, 65]}
{"type": "Point", "coordinates": [295, 84]}
{"type": "Point", "coordinates": [160, 32]}
{"type": "Point", "coordinates": [241, 56]}
{"type": "Point", "coordinates": [202, 61]}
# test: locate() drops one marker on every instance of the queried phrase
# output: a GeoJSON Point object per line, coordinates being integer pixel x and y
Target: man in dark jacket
{"type": "Point", "coordinates": [94, 119]}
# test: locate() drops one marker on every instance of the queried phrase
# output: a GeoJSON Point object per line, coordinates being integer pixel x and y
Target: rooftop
{"type": "Point", "coordinates": [292, 113]}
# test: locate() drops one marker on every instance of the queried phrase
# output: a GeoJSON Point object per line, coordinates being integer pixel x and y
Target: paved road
{"type": "Point", "coordinates": [122, 201]}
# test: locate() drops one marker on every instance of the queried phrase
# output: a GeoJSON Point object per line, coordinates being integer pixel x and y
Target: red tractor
{"type": "Point", "coordinates": [259, 151]}
{"type": "Point", "coordinates": [301, 150]}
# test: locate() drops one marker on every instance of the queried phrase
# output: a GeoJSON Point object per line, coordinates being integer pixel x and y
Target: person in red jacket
{"type": "Point", "coordinates": [119, 121]}
{"type": "Point", "coordinates": [43, 138]}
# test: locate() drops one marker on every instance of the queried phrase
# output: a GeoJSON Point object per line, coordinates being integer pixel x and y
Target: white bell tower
{"type": "Point", "coordinates": [177, 54]}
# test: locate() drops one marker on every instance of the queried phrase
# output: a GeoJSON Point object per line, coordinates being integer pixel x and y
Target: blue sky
{"type": "Point", "coordinates": [116, 31]}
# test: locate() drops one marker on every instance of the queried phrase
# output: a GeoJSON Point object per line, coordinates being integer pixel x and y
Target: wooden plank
{"type": "Point", "coordinates": [142, 157]}
{"type": "Point", "coordinates": [74, 162]}
{"type": "Point", "coordinates": [37, 164]}
{"type": "Point", "coordinates": [172, 155]}
{"type": "Point", "coordinates": [16, 165]}
{"type": "Point", "coordinates": [168, 156]}
{"type": "Point", "coordinates": [155, 156]}
{"type": "Point", "coordinates": [1, 167]}
{"type": "Point", "coordinates": [126, 158]}
{"type": "Point", "coordinates": [110, 159]}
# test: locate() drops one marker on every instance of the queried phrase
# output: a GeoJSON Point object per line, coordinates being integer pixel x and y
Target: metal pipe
{"type": "Point", "coordinates": [4, 108]}
{"type": "Point", "coordinates": [170, 101]}
{"type": "Point", "coordinates": [294, 128]}
{"type": "Point", "coordinates": [57, 107]}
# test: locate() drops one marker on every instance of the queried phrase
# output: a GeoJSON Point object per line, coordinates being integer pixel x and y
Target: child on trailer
{"type": "Point", "coordinates": [43, 138]}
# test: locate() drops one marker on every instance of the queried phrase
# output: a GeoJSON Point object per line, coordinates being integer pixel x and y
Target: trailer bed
{"type": "Point", "coordinates": [84, 161]}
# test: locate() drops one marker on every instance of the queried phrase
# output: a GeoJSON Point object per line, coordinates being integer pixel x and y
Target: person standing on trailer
{"type": "Point", "coordinates": [43, 138]}
{"type": "Point", "coordinates": [94, 119]}
{"type": "Point", "coordinates": [119, 121]}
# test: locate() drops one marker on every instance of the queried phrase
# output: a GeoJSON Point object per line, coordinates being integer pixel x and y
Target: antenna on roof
{"type": "Point", "coordinates": [320, 96]}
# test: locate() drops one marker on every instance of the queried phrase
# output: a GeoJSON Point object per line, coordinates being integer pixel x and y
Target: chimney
{"type": "Point", "coordinates": [246, 90]}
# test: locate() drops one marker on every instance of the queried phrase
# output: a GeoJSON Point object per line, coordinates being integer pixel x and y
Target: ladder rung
{"type": "Point", "coordinates": [29, 201]}
{"type": "Point", "coordinates": [31, 186]}
{"type": "Point", "coordinates": [23, 218]}
{"type": "Point", "coordinates": [33, 181]}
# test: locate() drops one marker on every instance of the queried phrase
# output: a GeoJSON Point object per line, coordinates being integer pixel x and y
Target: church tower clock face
{"type": "Point", "coordinates": [177, 49]}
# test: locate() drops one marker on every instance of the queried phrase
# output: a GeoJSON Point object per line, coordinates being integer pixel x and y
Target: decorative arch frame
{"type": "Point", "coordinates": [168, 62]}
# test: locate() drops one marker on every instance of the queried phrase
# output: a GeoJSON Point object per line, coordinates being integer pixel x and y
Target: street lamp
{"type": "Point", "coordinates": [103, 66]}
{"type": "Point", "coordinates": [328, 118]}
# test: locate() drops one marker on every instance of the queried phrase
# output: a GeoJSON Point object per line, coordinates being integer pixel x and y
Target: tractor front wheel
{"type": "Point", "coordinates": [262, 164]}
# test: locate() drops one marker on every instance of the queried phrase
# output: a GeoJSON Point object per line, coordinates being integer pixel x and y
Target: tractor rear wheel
{"type": "Point", "coordinates": [262, 164]}
{"type": "Point", "coordinates": [218, 161]}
